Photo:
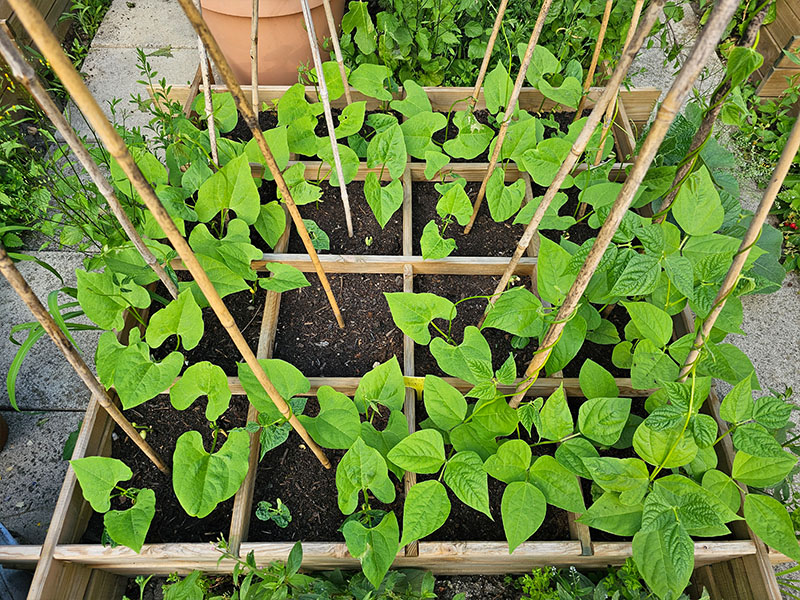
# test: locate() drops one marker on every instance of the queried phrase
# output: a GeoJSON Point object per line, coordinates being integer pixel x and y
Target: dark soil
{"type": "Point", "coordinates": [467, 524]}
{"type": "Point", "coordinates": [241, 133]}
{"type": "Point", "coordinates": [487, 238]}
{"type": "Point", "coordinates": [476, 587]}
{"type": "Point", "coordinates": [216, 345]}
{"type": "Point", "coordinates": [601, 353]}
{"type": "Point", "coordinates": [366, 131]}
{"type": "Point", "coordinates": [329, 215]}
{"type": "Point", "coordinates": [293, 474]}
{"type": "Point", "coordinates": [458, 287]}
{"type": "Point", "coordinates": [309, 337]}
{"type": "Point", "coordinates": [170, 523]}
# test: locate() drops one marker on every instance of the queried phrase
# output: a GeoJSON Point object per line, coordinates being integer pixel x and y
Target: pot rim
{"type": "Point", "coordinates": [266, 8]}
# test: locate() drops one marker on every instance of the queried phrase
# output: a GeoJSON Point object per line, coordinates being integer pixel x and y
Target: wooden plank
{"type": "Point", "coordinates": [408, 248]}
{"type": "Point", "coordinates": [776, 82]}
{"type": "Point", "coordinates": [70, 513]}
{"type": "Point", "coordinates": [103, 584]}
{"type": "Point", "coordinates": [440, 557]}
{"type": "Point", "coordinates": [472, 171]}
{"type": "Point", "coordinates": [544, 386]}
{"type": "Point", "coordinates": [410, 404]}
{"type": "Point", "coordinates": [370, 263]}
{"type": "Point", "coordinates": [51, 11]}
{"type": "Point", "coordinates": [760, 576]}
{"type": "Point", "coordinates": [54, 580]}
{"type": "Point", "coordinates": [624, 136]}
{"type": "Point", "coordinates": [243, 501]}
{"type": "Point", "coordinates": [22, 556]}
{"type": "Point", "coordinates": [768, 48]}
{"type": "Point", "coordinates": [639, 101]}
{"type": "Point", "coordinates": [787, 24]}
{"type": "Point", "coordinates": [773, 49]}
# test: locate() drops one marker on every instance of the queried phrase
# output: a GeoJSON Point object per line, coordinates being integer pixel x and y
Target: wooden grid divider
{"type": "Point", "coordinates": [243, 500]}
{"type": "Point", "coordinates": [85, 568]}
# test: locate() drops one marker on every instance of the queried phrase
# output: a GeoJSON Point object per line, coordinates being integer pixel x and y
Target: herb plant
{"type": "Point", "coordinates": [443, 42]}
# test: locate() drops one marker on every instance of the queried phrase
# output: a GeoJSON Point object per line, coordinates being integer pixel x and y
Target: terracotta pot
{"type": "Point", "coordinates": [282, 38]}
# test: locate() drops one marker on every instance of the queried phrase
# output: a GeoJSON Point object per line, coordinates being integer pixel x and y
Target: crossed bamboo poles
{"type": "Point", "coordinates": [700, 53]}
{"type": "Point", "coordinates": [49, 46]}
{"type": "Point", "coordinates": [704, 47]}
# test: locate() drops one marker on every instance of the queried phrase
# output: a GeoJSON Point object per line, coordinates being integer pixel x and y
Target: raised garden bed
{"type": "Point", "coordinates": [297, 327]}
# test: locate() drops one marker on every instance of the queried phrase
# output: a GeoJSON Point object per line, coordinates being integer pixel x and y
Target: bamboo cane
{"type": "Point", "coordinates": [601, 35]}
{"type": "Point", "coordinates": [196, 19]}
{"type": "Point", "coordinates": [254, 57]}
{"type": "Point", "coordinates": [750, 237]}
{"type": "Point", "coordinates": [637, 11]}
{"type": "Point", "coordinates": [748, 39]}
{"type": "Point", "coordinates": [498, 21]}
{"type": "Point", "coordinates": [326, 105]}
{"type": "Point", "coordinates": [49, 46]}
{"type": "Point", "coordinates": [209, 106]}
{"type": "Point", "coordinates": [25, 74]}
{"type": "Point", "coordinates": [580, 143]}
{"type": "Point", "coordinates": [337, 49]}
{"type": "Point", "coordinates": [705, 46]}
{"type": "Point", "coordinates": [24, 291]}
{"type": "Point", "coordinates": [193, 88]}
{"type": "Point", "coordinates": [512, 103]}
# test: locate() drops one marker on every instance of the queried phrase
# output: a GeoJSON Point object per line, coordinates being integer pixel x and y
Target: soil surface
{"type": "Point", "coordinates": [601, 353]}
{"type": "Point", "coordinates": [216, 345]}
{"type": "Point", "coordinates": [165, 425]}
{"type": "Point", "coordinates": [292, 473]}
{"type": "Point", "coordinates": [309, 337]}
{"type": "Point", "coordinates": [329, 215]}
{"type": "Point", "coordinates": [488, 238]}
{"type": "Point", "coordinates": [241, 133]}
{"type": "Point", "coordinates": [458, 287]}
{"type": "Point", "coordinates": [476, 587]}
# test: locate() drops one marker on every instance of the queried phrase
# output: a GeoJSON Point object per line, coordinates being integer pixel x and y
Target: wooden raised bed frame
{"type": "Point", "coordinates": [72, 571]}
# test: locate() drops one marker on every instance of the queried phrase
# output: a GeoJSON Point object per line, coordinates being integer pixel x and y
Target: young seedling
{"type": "Point", "coordinates": [278, 514]}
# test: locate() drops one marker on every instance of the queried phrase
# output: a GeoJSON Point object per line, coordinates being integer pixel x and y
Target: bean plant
{"type": "Point", "coordinates": [665, 492]}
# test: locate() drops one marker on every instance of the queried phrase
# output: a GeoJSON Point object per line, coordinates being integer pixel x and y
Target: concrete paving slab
{"type": "Point", "coordinates": [145, 24]}
{"type": "Point", "coordinates": [650, 68]}
{"type": "Point", "coordinates": [32, 469]}
{"type": "Point", "coordinates": [46, 380]}
{"type": "Point", "coordinates": [773, 337]}
{"type": "Point", "coordinates": [111, 73]}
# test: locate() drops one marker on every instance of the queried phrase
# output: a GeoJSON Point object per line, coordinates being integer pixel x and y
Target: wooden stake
{"type": "Point", "coordinates": [326, 105]}
{"type": "Point", "coordinates": [25, 74]}
{"type": "Point", "coordinates": [512, 102]}
{"type": "Point", "coordinates": [580, 143]}
{"type": "Point", "coordinates": [595, 57]}
{"type": "Point", "coordinates": [209, 106]}
{"type": "Point", "coordinates": [337, 50]}
{"type": "Point", "coordinates": [24, 291]}
{"type": "Point", "coordinates": [62, 66]}
{"type": "Point", "coordinates": [254, 56]}
{"type": "Point", "coordinates": [685, 168]}
{"type": "Point", "coordinates": [193, 88]}
{"type": "Point", "coordinates": [196, 19]}
{"type": "Point", "coordinates": [498, 21]}
{"type": "Point", "coordinates": [788, 153]}
{"type": "Point", "coordinates": [705, 46]}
